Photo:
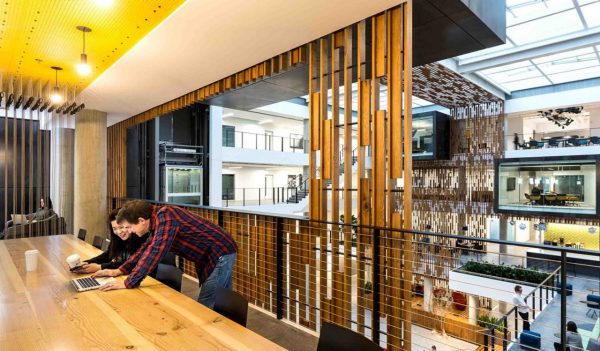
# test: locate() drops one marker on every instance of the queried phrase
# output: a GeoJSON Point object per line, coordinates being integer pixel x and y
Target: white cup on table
{"type": "Point", "coordinates": [31, 260]}
{"type": "Point", "coordinates": [73, 261]}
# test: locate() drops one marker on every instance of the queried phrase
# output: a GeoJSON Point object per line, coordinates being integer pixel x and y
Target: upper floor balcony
{"type": "Point", "coordinates": [264, 148]}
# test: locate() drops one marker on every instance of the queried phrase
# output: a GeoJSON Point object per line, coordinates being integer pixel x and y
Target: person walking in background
{"type": "Point", "coordinates": [172, 228]}
{"type": "Point", "coordinates": [522, 307]}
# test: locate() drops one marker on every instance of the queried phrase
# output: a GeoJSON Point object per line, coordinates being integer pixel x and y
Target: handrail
{"type": "Point", "coordinates": [558, 249]}
{"type": "Point", "coordinates": [504, 319]}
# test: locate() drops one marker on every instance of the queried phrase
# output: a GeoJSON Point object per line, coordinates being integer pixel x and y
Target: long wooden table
{"type": "Point", "coordinates": [42, 311]}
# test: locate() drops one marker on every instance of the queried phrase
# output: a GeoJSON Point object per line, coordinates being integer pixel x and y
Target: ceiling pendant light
{"type": "Point", "coordinates": [55, 96]}
{"type": "Point", "coordinates": [83, 68]}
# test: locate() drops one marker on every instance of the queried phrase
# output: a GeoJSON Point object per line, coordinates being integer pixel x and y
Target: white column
{"type": "Point", "coordinates": [215, 161]}
{"type": "Point", "coordinates": [473, 307]}
{"type": "Point", "coordinates": [427, 291]}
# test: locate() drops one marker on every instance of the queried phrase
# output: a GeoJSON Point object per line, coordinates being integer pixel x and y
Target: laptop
{"type": "Point", "coordinates": [89, 283]}
{"type": "Point", "coordinates": [19, 218]}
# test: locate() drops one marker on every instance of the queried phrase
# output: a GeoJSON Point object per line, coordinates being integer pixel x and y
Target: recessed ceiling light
{"type": "Point", "coordinates": [225, 115]}
{"type": "Point", "coordinates": [264, 121]}
{"type": "Point", "coordinates": [104, 3]}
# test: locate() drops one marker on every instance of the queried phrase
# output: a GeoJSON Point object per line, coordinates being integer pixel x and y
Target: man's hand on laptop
{"type": "Point", "coordinates": [114, 285]}
{"type": "Point", "coordinates": [107, 273]}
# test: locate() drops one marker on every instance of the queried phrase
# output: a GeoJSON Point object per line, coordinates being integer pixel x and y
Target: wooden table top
{"type": "Point", "coordinates": [42, 311]}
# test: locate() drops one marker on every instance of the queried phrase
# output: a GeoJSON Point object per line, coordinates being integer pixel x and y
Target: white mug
{"type": "Point", "coordinates": [31, 260]}
{"type": "Point", "coordinates": [74, 260]}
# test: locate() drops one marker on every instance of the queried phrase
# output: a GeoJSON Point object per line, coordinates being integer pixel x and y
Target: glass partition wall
{"type": "Point", "coordinates": [551, 185]}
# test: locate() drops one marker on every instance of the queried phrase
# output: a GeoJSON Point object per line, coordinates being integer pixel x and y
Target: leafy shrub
{"type": "Point", "coordinates": [486, 321]}
{"type": "Point", "coordinates": [518, 273]}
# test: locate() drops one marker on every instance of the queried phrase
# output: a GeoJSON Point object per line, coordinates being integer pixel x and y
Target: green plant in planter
{"type": "Point", "coordinates": [519, 273]}
{"type": "Point", "coordinates": [487, 321]}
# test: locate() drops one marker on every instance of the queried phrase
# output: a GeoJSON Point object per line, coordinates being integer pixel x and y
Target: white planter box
{"type": "Point", "coordinates": [495, 289]}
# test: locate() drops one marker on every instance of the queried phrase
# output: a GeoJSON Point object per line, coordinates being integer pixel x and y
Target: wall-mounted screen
{"type": "Point", "coordinates": [557, 185]}
{"type": "Point", "coordinates": [430, 136]}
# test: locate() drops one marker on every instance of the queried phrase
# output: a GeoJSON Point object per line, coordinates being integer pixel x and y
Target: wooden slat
{"type": "Point", "coordinates": [326, 153]}
{"type": "Point", "coordinates": [364, 112]}
{"type": "Point", "coordinates": [379, 34]}
{"type": "Point", "coordinates": [379, 169]}
{"type": "Point", "coordinates": [394, 93]}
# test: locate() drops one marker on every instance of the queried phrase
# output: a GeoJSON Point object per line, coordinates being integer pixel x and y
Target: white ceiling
{"type": "Point", "coordinates": [204, 41]}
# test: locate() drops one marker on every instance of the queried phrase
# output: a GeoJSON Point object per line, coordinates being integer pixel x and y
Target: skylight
{"type": "Point", "coordinates": [535, 23]}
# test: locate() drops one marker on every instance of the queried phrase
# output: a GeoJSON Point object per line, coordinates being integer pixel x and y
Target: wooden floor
{"type": "Point", "coordinates": [267, 326]}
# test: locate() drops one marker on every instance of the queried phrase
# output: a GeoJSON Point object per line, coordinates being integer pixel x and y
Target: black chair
{"type": "Point", "coordinates": [594, 140]}
{"type": "Point", "coordinates": [105, 245]}
{"type": "Point", "coordinates": [97, 243]}
{"type": "Point", "coordinates": [231, 305]}
{"type": "Point", "coordinates": [169, 275]}
{"type": "Point", "coordinates": [82, 233]}
{"type": "Point", "coordinates": [336, 338]}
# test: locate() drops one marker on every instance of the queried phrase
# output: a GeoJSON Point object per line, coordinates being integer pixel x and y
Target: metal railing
{"type": "Point", "coordinates": [267, 142]}
{"type": "Point", "coordinates": [264, 196]}
{"type": "Point", "coordinates": [304, 271]}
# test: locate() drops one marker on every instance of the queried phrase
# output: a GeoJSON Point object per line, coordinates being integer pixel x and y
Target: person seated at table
{"type": "Point", "coordinates": [574, 341]}
{"type": "Point", "coordinates": [535, 190]}
{"type": "Point", "coordinates": [122, 246]}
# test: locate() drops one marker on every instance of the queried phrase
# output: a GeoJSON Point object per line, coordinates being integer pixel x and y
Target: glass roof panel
{"type": "Point", "coordinates": [586, 73]}
{"type": "Point", "coordinates": [564, 55]}
{"type": "Point", "coordinates": [591, 13]}
{"type": "Point", "coordinates": [545, 27]}
{"type": "Point", "coordinates": [527, 83]}
{"type": "Point", "coordinates": [569, 64]}
{"type": "Point", "coordinates": [521, 11]}
{"type": "Point", "coordinates": [526, 71]}
{"type": "Point", "coordinates": [583, 2]}
{"type": "Point", "coordinates": [509, 67]}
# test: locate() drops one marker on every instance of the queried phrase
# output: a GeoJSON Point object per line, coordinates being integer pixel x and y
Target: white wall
{"type": "Point", "coordinates": [262, 157]}
{"type": "Point", "coordinates": [254, 176]}
{"type": "Point", "coordinates": [215, 160]}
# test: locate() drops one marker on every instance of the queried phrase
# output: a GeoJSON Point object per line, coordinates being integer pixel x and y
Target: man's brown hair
{"type": "Point", "coordinates": [133, 210]}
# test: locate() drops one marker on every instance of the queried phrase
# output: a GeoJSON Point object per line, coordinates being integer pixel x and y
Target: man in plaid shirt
{"type": "Point", "coordinates": [172, 228]}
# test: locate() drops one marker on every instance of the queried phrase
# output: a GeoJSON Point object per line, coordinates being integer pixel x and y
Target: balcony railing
{"type": "Point", "coordinates": [379, 281]}
{"type": "Point", "coordinates": [262, 196]}
{"type": "Point", "coordinates": [267, 142]}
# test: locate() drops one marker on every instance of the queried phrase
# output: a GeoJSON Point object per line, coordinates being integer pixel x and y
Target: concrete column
{"type": "Point", "coordinates": [66, 139]}
{"type": "Point", "coordinates": [473, 307]}
{"type": "Point", "coordinates": [504, 228]}
{"type": "Point", "coordinates": [90, 202]}
{"type": "Point", "coordinates": [215, 162]}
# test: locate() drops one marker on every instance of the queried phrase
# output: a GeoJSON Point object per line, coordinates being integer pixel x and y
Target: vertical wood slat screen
{"type": "Point", "coordinates": [31, 129]}
{"type": "Point", "coordinates": [315, 291]}
{"type": "Point", "coordinates": [383, 138]}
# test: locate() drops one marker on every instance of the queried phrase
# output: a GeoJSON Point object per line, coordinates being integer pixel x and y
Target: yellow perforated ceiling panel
{"type": "Point", "coordinates": [38, 34]}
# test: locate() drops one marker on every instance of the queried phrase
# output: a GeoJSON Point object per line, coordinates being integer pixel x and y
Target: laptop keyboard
{"type": "Point", "coordinates": [87, 283]}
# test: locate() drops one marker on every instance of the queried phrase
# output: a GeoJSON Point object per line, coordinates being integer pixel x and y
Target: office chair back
{"type": "Point", "coordinates": [97, 242]}
{"type": "Point", "coordinates": [105, 245]}
{"type": "Point", "coordinates": [232, 305]}
{"type": "Point", "coordinates": [336, 338]}
{"type": "Point", "coordinates": [169, 275]}
{"type": "Point", "coordinates": [81, 234]}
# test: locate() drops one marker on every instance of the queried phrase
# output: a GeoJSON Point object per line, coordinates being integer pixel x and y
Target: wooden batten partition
{"type": "Point", "coordinates": [381, 136]}
{"type": "Point", "coordinates": [357, 168]}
